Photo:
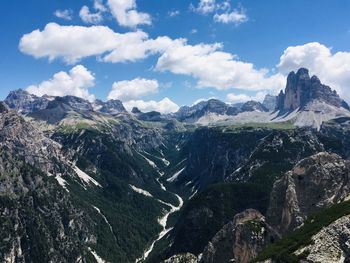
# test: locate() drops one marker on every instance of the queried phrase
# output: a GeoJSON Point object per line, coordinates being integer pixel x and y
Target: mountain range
{"type": "Point", "coordinates": [84, 181]}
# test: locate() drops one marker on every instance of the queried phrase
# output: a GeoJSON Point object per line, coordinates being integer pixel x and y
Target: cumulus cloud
{"type": "Point", "coordinates": [205, 7]}
{"type": "Point", "coordinates": [88, 17]}
{"type": "Point", "coordinates": [72, 43]}
{"type": "Point", "coordinates": [173, 13]}
{"type": "Point", "coordinates": [215, 68]}
{"type": "Point", "coordinates": [237, 17]}
{"type": "Point", "coordinates": [164, 106]}
{"type": "Point", "coordinates": [99, 6]}
{"type": "Point", "coordinates": [133, 89]}
{"type": "Point", "coordinates": [76, 82]}
{"type": "Point", "coordinates": [207, 63]}
{"type": "Point", "coordinates": [64, 14]}
{"type": "Point", "coordinates": [235, 98]}
{"type": "Point", "coordinates": [223, 11]}
{"type": "Point", "coordinates": [333, 68]}
{"type": "Point", "coordinates": [126, 14]}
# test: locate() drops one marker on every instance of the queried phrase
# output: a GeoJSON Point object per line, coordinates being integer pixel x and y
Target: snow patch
{"type": "Point", "coordinates": [140, 191]}
{"type": "Point", "coordinates": [174, 177]}
{"type": "Point", "coordinates": [86, 178]}
{"type": "Point", "coordinates": [97, 257]}
{"type": "Point", "coordinates": [193, 195]}
{"type": "Point", "coordinates": [62, 182]}
{"type": "Point", "coordinates": [104, 218]}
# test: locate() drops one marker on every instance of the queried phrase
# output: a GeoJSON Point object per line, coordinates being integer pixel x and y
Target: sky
{"type": "Point", "coordinates": [162, 54]}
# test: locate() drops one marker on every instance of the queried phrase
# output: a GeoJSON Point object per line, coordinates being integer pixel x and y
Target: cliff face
{"type": "Point", "coordinates": [39, 222]}
{"type": "Point", "coordinates": [240, 240]}
{"type": "Point", "coordinates": [301, 89]}
{"type": "Point", "coordinates": [314, 183]}
{"type": "Point", "coordinates": [270, 102]}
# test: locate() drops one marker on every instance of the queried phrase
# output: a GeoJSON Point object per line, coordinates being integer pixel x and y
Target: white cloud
{"type": "Point", "coordinates": [194, 31]}
{"type": "Point", "coordinates": [234, 98]}
{"type": "Point", "coordinates": [133, 89]}
{"type": "Point", "coordinates": [173, 13]}
{"type": "Point", "coordinates": [204, 7]}
{"type": "Point", "coordinates": [76, 82]}
{"type": "Point", "coordinates": [64, 14]}
{"type": "Point", "coordinates": [215, 68]}
{"type": "Point", "coordinates": [237, 17]}
{"type": "Point", "coordinates": [164, 106]}
{"type": "Point", "coordinates": [99, 6]}
{"type": "Point", "coordinates": [72, 43]}
{"type": "Point", "coordinates": [205, 62]}
{"type": "Point", "coordinates": [88, 17]}
{"type": "Point", "coordinates": [333, 69]}
{"type": "Point", "coordinates": [126, 14]}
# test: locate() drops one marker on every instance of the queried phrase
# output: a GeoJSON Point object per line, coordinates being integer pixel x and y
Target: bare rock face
{"type": "Point", "coordinates": [314, 183]}
{"type": "Point", "coordinates": [19, 138]}
{"type": "Point", "coordinates": [182, 258]}
{"type": "Point", "coordinates": [270, 102]}
{"type": "Point", "coordinates": [331, 244]}
{"type": "Point", "coordinates": [253, 106]}
{"type": "Point", "coordinates": [240, 240]}
{"type": "Point", "coordinates": [301, 89]}
{"type": "Point", "coordinates": [26, 103]}
{"type": "Point", "coordinates": [38, 220]}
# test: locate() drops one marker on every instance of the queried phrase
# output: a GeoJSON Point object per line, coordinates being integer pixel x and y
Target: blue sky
{"type": "Point", "coordinates": [232, 50]}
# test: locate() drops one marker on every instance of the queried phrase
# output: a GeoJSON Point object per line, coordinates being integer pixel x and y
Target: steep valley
{"type": "Point", "coordinates": [91, 182]}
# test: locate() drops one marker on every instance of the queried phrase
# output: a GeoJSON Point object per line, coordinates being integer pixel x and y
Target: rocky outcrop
{"type": "Point", "coordinates": [182, 258]}
{"type": "Point", "coordinates": [112, 107]}
{"type": "Point", "coordinates": [270, 102]}
{"type": "Point", "coordinates": [20, 138]}
{"type": "Point", "coordinates": [331, 244]}
{"type": "Point", "coordinates": [240, 240]}
{"type": "Point", "coordinates": [301, 89]}
{"type": "Point", "coordinates": [39, 222]}
{"type": "Point", "coordinates": [135, 110]}
{"type": "Point", "coordinates": [314, 183]}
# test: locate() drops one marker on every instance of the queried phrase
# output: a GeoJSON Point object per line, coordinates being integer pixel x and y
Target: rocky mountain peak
{"type": "Point", "coordinates": [135, 110]}
{"type": "Point", "coordinates": [26, 103]}
{"type": "Point", "coordinates": [112, 107]}
{"type": "Point", "coordinates": [301, 90]}
{"type": "Point", "coordinates": [253, 106]}
{"type": "Point", "coordinates": [270, 102]}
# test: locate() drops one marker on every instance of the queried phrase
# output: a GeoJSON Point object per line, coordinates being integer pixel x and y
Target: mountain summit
{"type": "Point", "coordinates": [301, 90]}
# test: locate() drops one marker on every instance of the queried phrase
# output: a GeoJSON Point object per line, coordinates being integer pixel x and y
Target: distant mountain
{"type": "Point", "coordinates": [301, 90]}
{"type": "Point", "coordinates": [270, 102]}
{"type": "Point", "coordinates": [26, 103]}
{"type": "Point", "coordinates": [212, 106]}
{"type": "Point", "coordinates": [111, 106]}
{"type": "Point", "coordinates": [253, 106]}
{"type": "Point", "coordinates": [210, 111]}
